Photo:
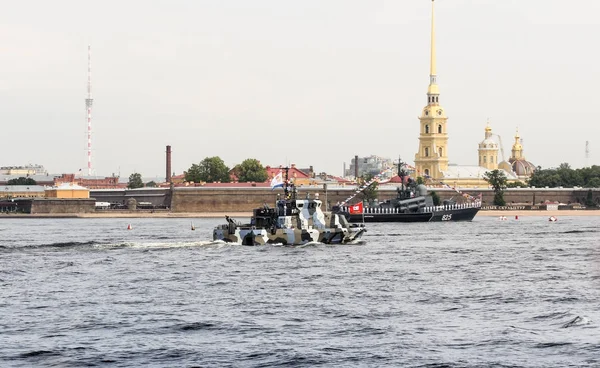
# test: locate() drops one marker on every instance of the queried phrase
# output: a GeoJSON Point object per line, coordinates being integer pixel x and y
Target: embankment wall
{"type": "Point", "coordinates": [200, 199]}
{"type": "Point", "coordinates": [57, 206]}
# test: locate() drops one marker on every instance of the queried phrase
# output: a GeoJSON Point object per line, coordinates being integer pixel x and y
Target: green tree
{"type": "Point", "coordinates": [135, 181]}
{"type": "Point", "coordinates": [193, 174]}
{"type": "Point", "coordinates": [21, 181]}
{"type": "Point", "coordinates": [499, 199]}
{"type": "Point", "coordinates": [435, 198]}
{"type": "Point", "coordinates": [593, 183]}
{"type": "Point", "coordinates": [209, 170]}
{"type": "Point", "coordinates": [151, 184]}
{"type": "Point", "coordinates": [564, 166]}
{"type": "Point", "coordinates": [568, 176]}
{"type": "Point", "coordinates": [250, 170]}
{"type": "Point", "coordinates": [589, 176]}
{"type": "Point", "coordinates": [371, 192]}
{"type": "Point", "coordinates": [420, 180]}
{"type": "Point", "coordinates": [497, 179]}
{"type": "Point", "coordinates": [565, 176]}
{"type": "Point", "coordinates": [516, 184]}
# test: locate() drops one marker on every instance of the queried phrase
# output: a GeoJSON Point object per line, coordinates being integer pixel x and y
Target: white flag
{"type": "Point", "coordinates": [277, 180]}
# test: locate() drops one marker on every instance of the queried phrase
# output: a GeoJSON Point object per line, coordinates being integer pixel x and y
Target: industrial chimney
{"type": "Point", "coordinates": [168, 176]}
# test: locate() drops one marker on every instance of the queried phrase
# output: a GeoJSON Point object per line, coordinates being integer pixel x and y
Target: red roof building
{"type": "Point", "coordinates": [111, 182]}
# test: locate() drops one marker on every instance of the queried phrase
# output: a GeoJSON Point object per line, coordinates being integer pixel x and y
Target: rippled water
{"type": "Point", "coordinates": [88, 292]}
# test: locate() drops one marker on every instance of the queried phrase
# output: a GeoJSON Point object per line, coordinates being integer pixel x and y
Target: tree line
{"type": "Point", "coordinates": [563, 176]}
{"type": "Point", "coordinates": [209, 170]}
{"type": "Point", "coordinates": [214, 170]}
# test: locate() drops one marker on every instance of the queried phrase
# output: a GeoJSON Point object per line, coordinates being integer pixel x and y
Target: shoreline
{"type": "Point", "coordinates": [523, 213]}
{"type": "Point", "coordinates": [482, 213]}
{"type": "Point", "coordinates": [130, 215]}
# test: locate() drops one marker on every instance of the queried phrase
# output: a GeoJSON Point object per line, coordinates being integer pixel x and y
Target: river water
{"type": "Point", "coordinates": [89, 292]}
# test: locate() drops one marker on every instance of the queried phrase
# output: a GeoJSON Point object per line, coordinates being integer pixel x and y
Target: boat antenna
{"type": "Point", "coordinates": [286, 183]}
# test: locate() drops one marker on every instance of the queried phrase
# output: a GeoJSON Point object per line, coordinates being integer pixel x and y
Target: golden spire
{"type": "Point", "coordinates": [433, 90]}
{"type": "Point", "coordinates": [432, 61]}
{"type": "Point", "coordinates": [517, 148]}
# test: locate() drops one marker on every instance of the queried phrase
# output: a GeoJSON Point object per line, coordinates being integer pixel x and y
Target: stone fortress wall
{"type": "Point", "coordinates": [246, 199]}
{"type": "Point", "coordinates": [207, 200]}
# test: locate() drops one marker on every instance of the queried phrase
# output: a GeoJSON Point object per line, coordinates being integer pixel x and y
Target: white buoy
{"type": "Point", "coordinates": [129, 227]}
{"type": "Point", "coordinates": [552, 219]}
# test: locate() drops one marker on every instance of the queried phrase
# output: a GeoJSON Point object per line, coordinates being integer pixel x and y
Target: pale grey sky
{"type": "Point", "coordinates": [306, 82]}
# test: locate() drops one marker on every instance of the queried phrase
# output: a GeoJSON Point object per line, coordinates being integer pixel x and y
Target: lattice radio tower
{"type": "Point", "coordinates": [587, 152]}
{"type": "Point", "coordinates": [89, 101]}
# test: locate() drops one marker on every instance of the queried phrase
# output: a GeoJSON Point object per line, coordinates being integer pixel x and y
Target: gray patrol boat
{"type": "Point", "coordinates": [412, 204]}
{"type": "Point", "coordinates": [293, 221]}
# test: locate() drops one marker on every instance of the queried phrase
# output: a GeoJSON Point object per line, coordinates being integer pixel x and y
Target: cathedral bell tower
{"type": "Point", "coordinates": [488, 151]}
{"type": "Point", "coordinates": [432, 158]}
{"type": "Point", "coordinates": [517, 149]}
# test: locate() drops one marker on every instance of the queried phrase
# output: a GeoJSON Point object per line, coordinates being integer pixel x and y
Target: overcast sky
{"type": "Point", "coordinates": [309, 82]}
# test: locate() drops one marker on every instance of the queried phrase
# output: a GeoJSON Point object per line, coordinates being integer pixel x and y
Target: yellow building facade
{"type": "Point", "coordinates": [68, 190]}
{"type": "Point", "coordinates": [21, 191]}
{"type": "Point", "coordinates": [488, 150]}
{"type": "Point", "coordinates": [432, 158]}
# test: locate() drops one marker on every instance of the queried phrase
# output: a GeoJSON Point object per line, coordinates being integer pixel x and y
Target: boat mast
{"type": "Point", "coordinates": [401, 173]}
{"type": "Point", "coordinates": [286, 189]}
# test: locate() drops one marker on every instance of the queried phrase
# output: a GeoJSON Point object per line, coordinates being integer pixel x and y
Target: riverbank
{"type": "Point", "coordinates": [236, 215]}
{"type": "Point", "coordinates": [522, 213]}
{"type": "Point", "coordinates": [130, 215]}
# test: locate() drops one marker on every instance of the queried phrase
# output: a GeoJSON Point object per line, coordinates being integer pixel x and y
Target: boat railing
{"type": "Point", "coordinates": [384, 210]}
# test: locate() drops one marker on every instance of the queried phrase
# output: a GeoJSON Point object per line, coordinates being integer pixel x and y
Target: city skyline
{"type": "Point", "coordinates": [320, 82]}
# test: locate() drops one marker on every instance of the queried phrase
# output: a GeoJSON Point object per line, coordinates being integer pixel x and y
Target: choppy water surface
{"type": "Point", "coordinates": [88, 292]}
